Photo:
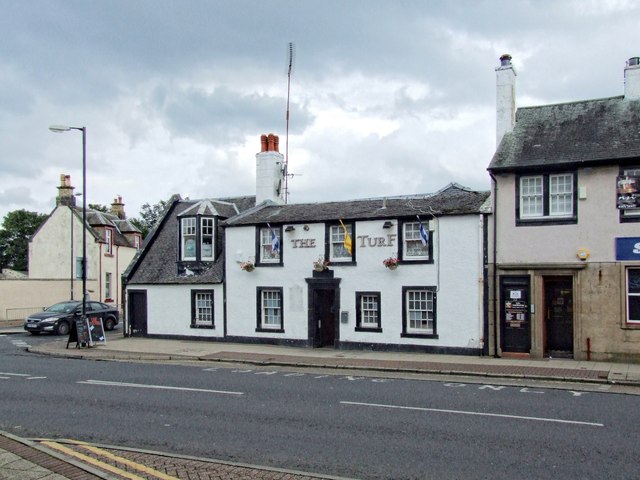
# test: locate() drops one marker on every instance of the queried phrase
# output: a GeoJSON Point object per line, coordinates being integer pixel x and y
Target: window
{"type": "Point", "coordinates": [136, 242]}
{"type": "Point", "coordinates": [415, 245]}
{"type": "Point", "coordinates": [269, 246]}
{"type": "Point", "coordinates": [340, 242]}
{"type": "Point", "coordinates": [546, 198]}
{"type": "Point", "coordinates": [206, 239]}
{"type": "Point", "coordinates": [79, 268]}
{"type": "Point", "coordinates": [202, 309]}
{"type": "Point", "coordinates": [107, 285]}
{"type": "Point", "coordinates": [633, 295]}
{"type": "Point", "coordinates": [368, 311]}
{"type": "Point", "coordinates": [270, 310]}
{"type": "Point", "coordinates": [108, 237]}
{"type": "Point", "coordinates": [419, 312]}
{"type": "Point", "coordinates": [188, 238]}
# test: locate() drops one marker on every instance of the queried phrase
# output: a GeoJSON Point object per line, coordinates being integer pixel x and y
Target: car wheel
{"type": "Point", "coordinates": [62, 328]}
{"type": "Point", "coordinates": [109, 323]}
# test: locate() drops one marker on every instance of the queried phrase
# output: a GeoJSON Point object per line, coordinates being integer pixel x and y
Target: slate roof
{"type": "Point", "coordinates": [156, 263]}
{"type": "Point", "coordinates": [451, 200]}
{"type": "Point", "coordinates": [96, 218]}
{"type": "Point", "coordinates": [602, 131]}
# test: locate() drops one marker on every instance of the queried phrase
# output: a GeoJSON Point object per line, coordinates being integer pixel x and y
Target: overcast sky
{"type": "Point", "coordinates": [387, 97]}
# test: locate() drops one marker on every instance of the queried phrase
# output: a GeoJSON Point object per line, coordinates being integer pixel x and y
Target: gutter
{"type": "Point", "coordinates": [494, 279]}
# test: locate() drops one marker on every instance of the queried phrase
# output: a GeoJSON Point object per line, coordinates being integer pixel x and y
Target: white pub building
{"type": "Point", "coordinates": [394, 273]}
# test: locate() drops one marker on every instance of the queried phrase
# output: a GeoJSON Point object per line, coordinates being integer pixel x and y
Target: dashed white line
{"type": "Point", "coordinates": [156, 387]}
{"type": "Point", "coordinates": [482, 414]}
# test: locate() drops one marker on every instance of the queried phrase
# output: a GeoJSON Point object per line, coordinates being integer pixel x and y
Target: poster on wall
{"type": "Point", "coordinates": [627, 192]}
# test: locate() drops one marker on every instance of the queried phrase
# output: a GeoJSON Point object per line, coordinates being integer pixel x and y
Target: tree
{"type": "Point", "coordinates": [149, 217]}
{"type": "Point", "coordinates": [98, 208]}
{"type": "Point", "coordinates": [17, 227]}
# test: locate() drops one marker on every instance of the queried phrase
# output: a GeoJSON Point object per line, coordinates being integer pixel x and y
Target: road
{"type": "Point", "coordinates": [351, 426]}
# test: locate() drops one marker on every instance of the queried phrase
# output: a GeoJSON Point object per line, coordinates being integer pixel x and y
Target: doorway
{"type": "Point", "coordinates": [324, 317]}
{"type": "Point", "coordinates": [515, 319]}
{"type": "Point", "coordinates": [137, 312]}
{"type": "Point", "coordinates": [558, 295]}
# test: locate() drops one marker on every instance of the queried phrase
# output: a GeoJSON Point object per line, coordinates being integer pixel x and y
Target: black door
{"type": "Point", "coordinates": [559, 316]}
{"type": "Point", "coordinates": [137, 312]}
{"type": "Point", "coordinates": [324, 317]}
{"type": "Point", "coordinates": [514, 314]}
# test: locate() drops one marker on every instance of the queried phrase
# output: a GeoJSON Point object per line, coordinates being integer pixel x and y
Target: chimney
{"type": "Point", "coordinates": [632, 79]}
{"type": "Point", "coordinates": [117, 208]}
{"type": "Point", "coordinates": [505, 97]}
{"type": "Point", "coordinates": [65, 192]}
{"type": "Point", "coordinates": [269, 170]}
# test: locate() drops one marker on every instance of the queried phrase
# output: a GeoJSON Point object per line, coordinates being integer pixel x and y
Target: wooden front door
{"type": "Point", "coordinates": [324, 317]}
{"type": "Point", "coordinates": [559, 316]}
{"type": "Point", "coordinates": [137, 312]}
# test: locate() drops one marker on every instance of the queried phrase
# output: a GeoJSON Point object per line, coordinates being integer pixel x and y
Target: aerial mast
{"type": "Point", "coordinates": [291, 51]}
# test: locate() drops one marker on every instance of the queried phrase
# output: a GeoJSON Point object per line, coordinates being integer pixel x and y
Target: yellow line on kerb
{"type": "Point", "coordinates": [106, 466]}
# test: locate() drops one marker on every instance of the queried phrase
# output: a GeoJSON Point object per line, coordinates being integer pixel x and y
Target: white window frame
{"type": "Point", "coordinates": [635, 295]}
{"type": "Point", "coordinates": [267, 255]}
{"type": "Point", "coordinates": [369, 311]}
{"type": "Point", "coordinates": [561, 195]}
{"type": "Point", "coordinates": [108, 238]}
{"type": "Point", "coordinates": [270, 308]}
{"type": "Point", "coordinates": [136, 241]}
{"type": "Point", "coordinates": [420, 309]}
{"type": "Point", "coordinates": [188, 234]}
{"type": "Point", "coordinates": [107, 284]}
{"type": "Point", "coordinates": [410, 239]}
{"type": "Point", "coordinates": [532, 196]}
{"type": "Point", "coordinates": [202, 305]}
{"type": "Point", "coordinates": [337, 251]}
{"type": "Point", "coordinates": [207, 232]}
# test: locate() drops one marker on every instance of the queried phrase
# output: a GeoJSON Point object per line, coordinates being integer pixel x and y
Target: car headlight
{"type": "Point", "coordinates": [51, 320]}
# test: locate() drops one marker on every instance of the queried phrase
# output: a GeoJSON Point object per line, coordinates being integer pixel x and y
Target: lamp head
{"type": "Point", "coordinates": [59, 128]}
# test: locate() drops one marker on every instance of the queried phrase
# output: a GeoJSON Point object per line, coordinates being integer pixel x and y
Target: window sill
{"type": "Point", "coordinates": [269, 264]}
{"type": "Point", "coordinates": [419, 335]}
{"type": "Point", "coordinates": [369, 329]}
{"type": "Point", "coordinates": [207, 327]}
{"type": "Point", "coordinates": [422, 261]}
{"type": "Point", "coordinates": [631, 326]}
{"type": "Point", "coordinates": [539, 221]}
{"type": "Point", "coordinates": [342, 263]}
{"type": "Point", "coordinates": [269, 330]}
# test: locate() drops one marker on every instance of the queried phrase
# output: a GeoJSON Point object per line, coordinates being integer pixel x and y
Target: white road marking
{"type": "Point", "coordinates": [482, 414]}
{"type": "Point", "coordinates": [156, 387]}
{"type": "Point", "coordinates": [15, 374]}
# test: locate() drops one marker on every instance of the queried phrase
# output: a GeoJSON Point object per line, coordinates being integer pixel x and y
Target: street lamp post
{"type": "Point", "coordinates": [65, 128]}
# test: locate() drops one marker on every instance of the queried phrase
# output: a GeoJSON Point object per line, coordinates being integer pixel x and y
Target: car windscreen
{"type": "Point", "coordinates": [64, 307]}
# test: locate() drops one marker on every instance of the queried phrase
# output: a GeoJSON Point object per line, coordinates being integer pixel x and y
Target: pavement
{"type": "Point", "coordinates": [21, 458]}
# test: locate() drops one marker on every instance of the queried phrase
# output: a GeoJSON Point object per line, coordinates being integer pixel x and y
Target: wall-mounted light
{"type": "Point", "coordinates": [387, 224]}
{"type": "Point", "coordinates": [290, 228]}
{"type": "Point", "coordinates": [583, 254]}
{"type": "Point", "coordinates": [306, 228]}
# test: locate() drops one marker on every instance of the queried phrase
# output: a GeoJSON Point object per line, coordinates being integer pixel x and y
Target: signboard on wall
{"type": "Point", "coordinates": [628, 248]}
{"type": "Point", "coordinates": [627, 192]}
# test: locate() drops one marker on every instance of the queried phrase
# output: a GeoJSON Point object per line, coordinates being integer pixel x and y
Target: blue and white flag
{"type": "Point", "coordinates": [424, 236]}
{"type": "Point", "coordinates": [275, 243]}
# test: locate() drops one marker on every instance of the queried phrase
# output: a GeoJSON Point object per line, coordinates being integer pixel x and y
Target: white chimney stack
{"type": "Point", "coordinates": [632, 79]}
{"type": "Point", "coordinates": [269, 171]}
{"type": "Point", "coordinates": [505, 97]}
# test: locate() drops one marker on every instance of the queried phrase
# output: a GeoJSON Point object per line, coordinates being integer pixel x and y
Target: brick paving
{"type": "Point", "coordinates": [188, 468]}
{"type": "Point", "coordinates": [513, 371]}
{"type": "Point", "coordinates": [42, 459]}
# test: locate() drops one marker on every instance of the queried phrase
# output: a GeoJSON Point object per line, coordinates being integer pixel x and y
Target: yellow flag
{"type": "Point", "coordinates": [347, 239]}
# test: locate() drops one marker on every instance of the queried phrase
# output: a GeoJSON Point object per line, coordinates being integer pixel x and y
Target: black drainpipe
{"type": "Point", "coordinates": [495, 273]}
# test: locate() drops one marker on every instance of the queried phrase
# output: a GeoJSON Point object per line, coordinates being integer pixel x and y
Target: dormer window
{"type": "Point", "coordinates": [188, 238]}
{"type": "Point", "coordinates": [206, 238]}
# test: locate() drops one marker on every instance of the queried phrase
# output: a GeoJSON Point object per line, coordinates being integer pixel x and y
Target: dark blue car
{"type": "Point", "coordinates": [59, 317]}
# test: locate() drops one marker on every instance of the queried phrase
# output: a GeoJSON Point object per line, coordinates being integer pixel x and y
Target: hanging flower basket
{"type": "Point", "coordinates": [247, 266]}
{"type": "Point", "coordinates": [391, 263]}
{"type": "Point", "coordinates": [321, 264]}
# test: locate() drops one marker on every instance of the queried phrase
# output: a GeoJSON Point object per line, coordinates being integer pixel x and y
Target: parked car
{"type": "Point", "coordinates": [59, 317]}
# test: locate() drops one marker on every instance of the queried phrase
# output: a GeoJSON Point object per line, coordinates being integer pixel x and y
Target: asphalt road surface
{"type": "Point", "coordinates": [352, 426]}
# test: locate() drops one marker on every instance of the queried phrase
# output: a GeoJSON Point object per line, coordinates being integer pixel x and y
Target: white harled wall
{"type": "Point", "coordinates": [458, 274]}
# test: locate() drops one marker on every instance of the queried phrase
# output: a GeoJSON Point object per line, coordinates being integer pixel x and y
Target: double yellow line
{"type": "Point", "coordinates": [105, 466]}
